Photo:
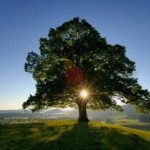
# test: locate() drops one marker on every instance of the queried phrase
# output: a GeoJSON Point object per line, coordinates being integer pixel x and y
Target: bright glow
{"type": "Point", "coordinates": [84, 94]}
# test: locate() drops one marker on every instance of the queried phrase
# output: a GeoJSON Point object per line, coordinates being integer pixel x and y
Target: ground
{"type": "Point", "coordinates": [70, 135]}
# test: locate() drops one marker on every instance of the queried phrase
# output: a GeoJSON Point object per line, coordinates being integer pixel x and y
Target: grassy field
{"type": "Point", "coordinates": [70, 135]}
{"type": "Point", "coordinates": [134, 124]}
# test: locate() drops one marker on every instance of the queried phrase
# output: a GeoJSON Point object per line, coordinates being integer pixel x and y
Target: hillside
{"type": "Point", "coordinates": [100, 115]}
{"type": "Point", "coordinates": [129, 117]}
{"type": "Point", "coordinates": [69, 135]}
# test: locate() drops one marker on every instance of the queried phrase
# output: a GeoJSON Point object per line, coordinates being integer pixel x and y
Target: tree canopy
{"type": "Point", "coordinates": [75, 56]}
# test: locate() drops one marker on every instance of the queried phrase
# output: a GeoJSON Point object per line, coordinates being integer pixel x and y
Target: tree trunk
{"type": "Point", "coordinates": [82, 111]}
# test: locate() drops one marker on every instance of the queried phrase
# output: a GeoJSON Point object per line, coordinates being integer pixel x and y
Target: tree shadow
{"type": "Point", "coordinates": [79, 136]}
{"type": "Point", "coordinates": [26, 136]}
{"type": "Point", "coordinates": [86, 137]}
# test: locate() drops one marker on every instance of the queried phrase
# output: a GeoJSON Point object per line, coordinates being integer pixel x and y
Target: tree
{"type": "Point", "coordinates": [74, 57]}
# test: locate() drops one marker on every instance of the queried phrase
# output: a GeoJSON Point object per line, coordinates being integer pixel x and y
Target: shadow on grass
{"type": "Point", "coordinates": [85, 137]}
{"type": "Point", "coordinates": [80, 136]}
{"type": "Point", "coordinates": [25, 136]}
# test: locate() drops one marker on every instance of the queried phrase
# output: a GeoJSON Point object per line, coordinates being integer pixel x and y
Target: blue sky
{"type": "Point", "coordinates": [24, 22]}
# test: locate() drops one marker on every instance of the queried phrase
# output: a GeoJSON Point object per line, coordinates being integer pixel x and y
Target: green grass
{"type": "Point", "coordinates": [132, 123]}
{"type": "Point", "coordinates": [70, 135]}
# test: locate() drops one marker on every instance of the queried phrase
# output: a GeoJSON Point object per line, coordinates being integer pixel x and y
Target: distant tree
{"type": "Point", "coordinates": [74, 57]}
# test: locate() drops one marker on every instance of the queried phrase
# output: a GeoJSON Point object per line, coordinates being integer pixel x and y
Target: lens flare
{"type": "Point", "coordinates": [84, 94]}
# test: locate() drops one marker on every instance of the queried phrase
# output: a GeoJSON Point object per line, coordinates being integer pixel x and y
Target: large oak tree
{"type": "Point", "coordinates": [74, 57]}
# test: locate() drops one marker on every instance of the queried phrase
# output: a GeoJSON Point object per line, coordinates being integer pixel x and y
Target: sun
{"type": "Point", "coordinates": [84, 94]}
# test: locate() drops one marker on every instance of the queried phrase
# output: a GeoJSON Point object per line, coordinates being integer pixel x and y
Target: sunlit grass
{"type": "Point", "coordinates": [66, 135]}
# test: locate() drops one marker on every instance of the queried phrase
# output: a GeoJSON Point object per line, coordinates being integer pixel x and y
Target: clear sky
{"type": "Point", "coordinates": [24, 22]}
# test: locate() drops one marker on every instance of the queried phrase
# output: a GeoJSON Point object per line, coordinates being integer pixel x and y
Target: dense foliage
{"type": "Point", "coordinates": [74, 56]}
